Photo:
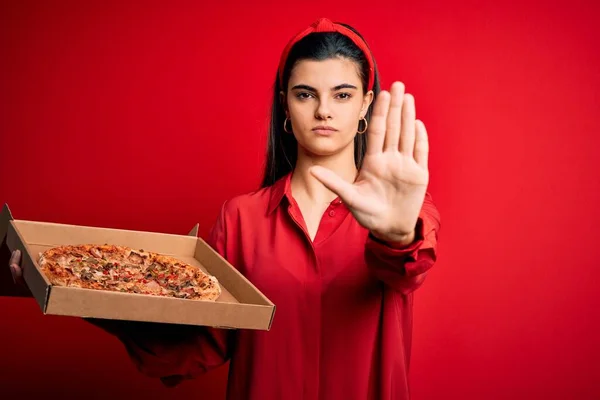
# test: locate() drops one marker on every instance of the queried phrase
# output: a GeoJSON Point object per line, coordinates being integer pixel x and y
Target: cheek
{"type": "Point", "coordinates": [300, 115]}
{"type": "Point", "coordinates": [349, 119]}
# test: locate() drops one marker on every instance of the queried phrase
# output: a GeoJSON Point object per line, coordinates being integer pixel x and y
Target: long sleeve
{"type": "Point", "coordinates": [172, 352]}
{"type": "Point", "coordinates": [405, 268]}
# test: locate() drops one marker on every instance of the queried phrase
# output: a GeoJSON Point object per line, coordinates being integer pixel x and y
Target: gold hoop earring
{"type": "Point", "coordinates": [366, 125]}
{"type": "Point", "coordinates": [285, 124]}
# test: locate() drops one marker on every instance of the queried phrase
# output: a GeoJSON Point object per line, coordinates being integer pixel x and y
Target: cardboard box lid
{"type": "Point", "coordinates": [242, 305]}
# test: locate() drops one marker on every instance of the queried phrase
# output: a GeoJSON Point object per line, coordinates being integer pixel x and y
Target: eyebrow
{"type": "Point", "coordinates": [338, 87]}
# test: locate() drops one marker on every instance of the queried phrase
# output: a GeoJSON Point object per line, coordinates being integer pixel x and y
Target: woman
{"type": "Point", "coordinates": [339, 236]}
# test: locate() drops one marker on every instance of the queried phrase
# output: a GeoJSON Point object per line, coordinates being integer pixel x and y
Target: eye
{"type": "Point", "coordinates": [344, 96]}
{"type": "Point", "coordinates": [303, 95]}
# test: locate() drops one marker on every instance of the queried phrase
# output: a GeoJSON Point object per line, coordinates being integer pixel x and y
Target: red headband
{"type": "Point", "coordinates": [325, 25]}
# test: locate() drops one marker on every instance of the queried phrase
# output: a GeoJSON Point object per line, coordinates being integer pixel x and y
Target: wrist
{"type": "Point", "coordinates": [399, 239]}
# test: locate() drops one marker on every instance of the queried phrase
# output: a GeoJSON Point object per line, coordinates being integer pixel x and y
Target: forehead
{"type": "Point", "coordinates": [325, 74]}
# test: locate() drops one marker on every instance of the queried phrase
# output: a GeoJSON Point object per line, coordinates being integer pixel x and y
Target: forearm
{"type": "Point", "coordinates": [398, 240]}
{"type": "Point", "coordinates": [402, 261]}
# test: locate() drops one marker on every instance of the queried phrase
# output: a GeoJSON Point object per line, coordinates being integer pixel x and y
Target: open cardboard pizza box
{"type": "Point", "coordinates": [241, 305]}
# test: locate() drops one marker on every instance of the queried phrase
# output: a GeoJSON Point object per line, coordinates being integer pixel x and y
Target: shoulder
{"type": "Point", "coordinates": [253, 203]}
{"type": "Point", "coordinates": [248, 207]}
{"type": "Point", "coordinates": [257, 204]}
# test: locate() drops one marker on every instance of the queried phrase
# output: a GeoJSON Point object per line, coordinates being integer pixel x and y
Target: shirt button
{"type": "Point", "coordinates": [331, 213]}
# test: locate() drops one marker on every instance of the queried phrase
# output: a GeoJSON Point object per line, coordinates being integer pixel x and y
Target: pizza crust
{"type": "Point", "coordinates": [128, 270]}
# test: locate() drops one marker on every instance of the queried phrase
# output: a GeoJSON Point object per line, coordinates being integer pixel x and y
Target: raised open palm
{"type": "Point", "coordinates": [388, 194]}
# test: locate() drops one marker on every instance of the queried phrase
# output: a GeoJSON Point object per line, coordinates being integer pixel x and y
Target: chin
{"type": "Point", "coordinates": [325, 145]}
{"type": "Point", "coordinates": [324, 149]}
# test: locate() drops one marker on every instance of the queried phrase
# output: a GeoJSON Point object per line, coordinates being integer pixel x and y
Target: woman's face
{"type": "Point", "coordinates": [327, 94]}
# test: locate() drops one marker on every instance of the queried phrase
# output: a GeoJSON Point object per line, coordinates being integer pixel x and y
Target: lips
{"type": "Point", "coordinates": [324, 130]}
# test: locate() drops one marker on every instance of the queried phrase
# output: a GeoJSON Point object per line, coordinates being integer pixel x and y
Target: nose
{"type": "Point", "coordinates": [323, 111]}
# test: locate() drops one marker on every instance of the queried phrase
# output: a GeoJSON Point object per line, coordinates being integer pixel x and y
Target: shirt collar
{"type": "Point", "coordinates": [280, 189]}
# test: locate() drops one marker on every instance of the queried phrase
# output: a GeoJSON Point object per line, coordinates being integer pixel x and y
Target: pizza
{"type": "Point", "coordinates": [123, 269]}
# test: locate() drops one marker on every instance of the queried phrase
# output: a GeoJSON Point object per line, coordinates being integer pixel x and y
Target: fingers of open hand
{"type": "Point", "coordinates": [407, 135]}
{"type": "Point", "coordinates": [394, 120]}
{"type": "Point", "coordinates": [393, 125]}
{"type": "Point", "coordinates": [377, 125]}
{"type": "Point", "coordinates": [421, 148]}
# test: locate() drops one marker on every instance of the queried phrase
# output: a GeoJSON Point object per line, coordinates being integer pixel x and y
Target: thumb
{"type": "Point", "coordinates": [332, 181]}
{"type": "Point", "coordinates": [15, 269]}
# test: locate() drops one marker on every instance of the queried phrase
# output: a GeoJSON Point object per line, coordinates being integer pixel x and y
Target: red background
{"type": "Point", "coordinates": [149, 115]}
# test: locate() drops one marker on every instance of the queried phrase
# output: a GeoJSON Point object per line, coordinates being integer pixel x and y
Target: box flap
{"type": "Point", "coordinates": [54, 234]}
{"type": "Point", "coordinates": [239, 286]}
{"type": "Point", "coordinates": [194, 231]}
{"type": "Point", "coordinates": [5, 218]}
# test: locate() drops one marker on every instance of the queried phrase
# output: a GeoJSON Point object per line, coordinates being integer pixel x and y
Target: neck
{"type": "Point", "coordinates": [305, 186]}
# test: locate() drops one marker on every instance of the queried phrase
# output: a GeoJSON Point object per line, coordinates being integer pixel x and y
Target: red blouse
{"type": "Point", "coordinates": [343, 321]}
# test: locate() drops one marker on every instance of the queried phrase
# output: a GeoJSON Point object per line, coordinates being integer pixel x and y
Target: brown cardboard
{"type": "Point", "coordinates": [240, 306]}
{"type": "Point", "coordinates": [194, 231]}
